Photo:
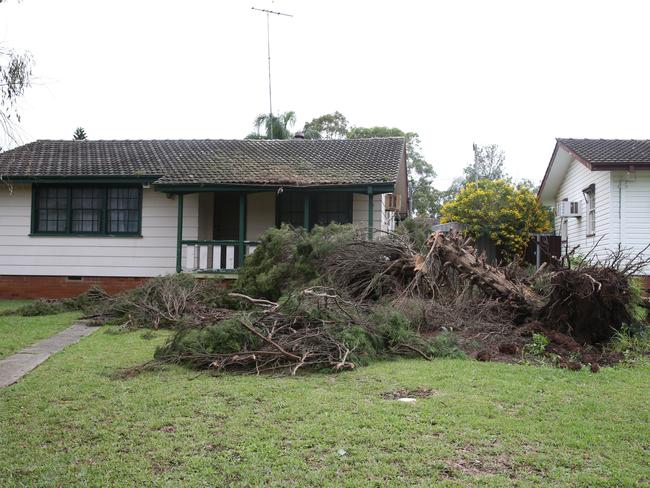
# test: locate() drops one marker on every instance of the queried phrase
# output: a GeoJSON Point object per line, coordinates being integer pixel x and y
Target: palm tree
{"type": "Point", "coordinates": [79, 134]}
{"type": "Point", "coordinates": [275, 126]}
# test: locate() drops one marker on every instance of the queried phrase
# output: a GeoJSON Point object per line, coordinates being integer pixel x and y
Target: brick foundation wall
{"type": "Point", "coordinates": [30, 287]}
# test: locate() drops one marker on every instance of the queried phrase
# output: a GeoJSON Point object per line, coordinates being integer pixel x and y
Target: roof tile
{"type": "Point", "coordinates": [274, 162]}
{"type": "Point", "coordinates": [605, 152]}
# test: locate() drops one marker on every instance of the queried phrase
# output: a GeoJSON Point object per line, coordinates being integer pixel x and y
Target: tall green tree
{"type": "Point", "coordinates": [426, 200]}
{"type": "Point", "coordinates": [487, 165]}
{"type": "Point", "coordinates": [328, 126]}
{"type": "Point", "coordinates": [79, 134]}
{"type": "Point", "coordinates": [268, 126]}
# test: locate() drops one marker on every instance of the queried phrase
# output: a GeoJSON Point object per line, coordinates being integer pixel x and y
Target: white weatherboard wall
{"type": "Point", "coordinates": [630, 221]}
{"type": "Point", "coordinates": [260, 214]}
{"type": "Point", "coordinates": [152, 254]}
{"type": "Point", "coordinates": [577, 178]}
{"type": "Point", "coordinates": [360, 211]}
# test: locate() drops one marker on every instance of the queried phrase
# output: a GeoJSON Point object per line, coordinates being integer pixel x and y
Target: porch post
{"type": "Point", "coordinates": [179, 234]}
{"type": "Point", "coordinates": [370, 213]}
{"type": "Point", "coordinates": [306, 211]}
{"type": "Point", "coordinates": [242, 227]}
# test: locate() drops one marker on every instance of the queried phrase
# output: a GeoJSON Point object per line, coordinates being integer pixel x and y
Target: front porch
{"type": "Point", "coordinates": [231, 220]}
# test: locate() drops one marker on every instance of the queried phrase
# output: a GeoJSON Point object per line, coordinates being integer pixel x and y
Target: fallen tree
{"type": "Point", "coordinates": [590, 301]}
{"type": "Point", "coordinates": [362, 300]}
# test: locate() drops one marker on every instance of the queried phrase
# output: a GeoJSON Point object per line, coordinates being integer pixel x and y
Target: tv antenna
{"type": "Point", "coordinates": [268, 48]}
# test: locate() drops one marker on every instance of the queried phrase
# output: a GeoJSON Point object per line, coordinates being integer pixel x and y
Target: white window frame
{"type": "Point", "coordinates": [590, 197]}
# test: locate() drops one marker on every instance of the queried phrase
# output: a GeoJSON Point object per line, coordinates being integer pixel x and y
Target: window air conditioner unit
{"type": "Point", "coordinates": [569, 209]}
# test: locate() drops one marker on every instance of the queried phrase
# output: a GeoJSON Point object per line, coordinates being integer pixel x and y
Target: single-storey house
{"type": "Point", "coordinates": [600, 189]}
{"type": "Point", "coordinates": [114, 213]}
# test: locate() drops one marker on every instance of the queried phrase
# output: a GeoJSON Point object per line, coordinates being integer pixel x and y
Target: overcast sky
{"type": "Point", "coordinates": [517, 73]}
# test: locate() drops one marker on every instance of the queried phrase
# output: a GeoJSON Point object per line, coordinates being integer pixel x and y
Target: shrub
{"type": "Point", "coordinates": [537, 347]}
{"type": "Point", "coordinates": [52, 307]}
{"type": "Point", "coordinates": [287, 259]}
{"type": "Point", "coordinates": [498, 210]}
{"type": "Point", "coordinates": [42, 307]}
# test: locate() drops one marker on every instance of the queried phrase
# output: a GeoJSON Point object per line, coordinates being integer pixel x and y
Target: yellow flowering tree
{"type": "Point", "coordinates": [500, 211]}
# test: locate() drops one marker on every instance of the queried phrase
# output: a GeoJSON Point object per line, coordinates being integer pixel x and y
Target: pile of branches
{"type": "Point", "coordinates": [314, 328]}
{"type": "Point", "coordinates": [164, 302]}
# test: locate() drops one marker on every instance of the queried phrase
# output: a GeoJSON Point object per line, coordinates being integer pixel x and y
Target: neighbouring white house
{"type": "Point", "coordinates": [600, 189]}
{"type": "Point", "coordinates": [114, 213]}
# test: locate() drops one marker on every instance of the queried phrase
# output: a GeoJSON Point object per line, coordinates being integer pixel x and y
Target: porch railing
{"type": "Point", "coordinates": [215, 256]}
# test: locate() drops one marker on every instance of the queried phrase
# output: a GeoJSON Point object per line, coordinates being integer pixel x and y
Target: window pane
{"type": "Point", "coordinates": [123, 210]}
{"type": "Point", "coordinates": [52, 206]}
{"type": "Point", "coordinates": [86, 209]}
{"type": "Point", "coordinates": [333, 207]}
{"type": "Point", "coordinates": [292, 209]}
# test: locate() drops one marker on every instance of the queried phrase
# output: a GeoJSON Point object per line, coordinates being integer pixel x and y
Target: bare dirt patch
{"type": "Point", "coordinates": [406, 393]}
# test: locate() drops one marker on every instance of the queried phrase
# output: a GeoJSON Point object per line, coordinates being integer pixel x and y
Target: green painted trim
{"type": "Point", "coordinates": [242, 227]}
{"type": "Point", "coordinates": [84, 234]}
{"type": "Point", "coordinates": [179, 234]}
{"type": "Point", "coordinates": [378, 188]}
{"type": "Point", "coordinates": [34, 213]}
{"type": "Point", "coordinates": [103, 221]}
{"type": "Point", "coordinates": [306, 211]}
{"type": "Point", "coordinates": [371, 204]}
{"type": "Point", "coordinates": [232, 242]}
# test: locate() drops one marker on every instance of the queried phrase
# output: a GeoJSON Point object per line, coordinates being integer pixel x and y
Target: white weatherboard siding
{"type": "Point", "coordinates": [360, 211]}
{"type": "Point", "coordinates": [260, 214]}
{"type": "Point", "coordinates": [577, 178]}
{"type": "Point", "coordinates": [630, 220]}
{"type": "Point", "coordinates": [152, 254]}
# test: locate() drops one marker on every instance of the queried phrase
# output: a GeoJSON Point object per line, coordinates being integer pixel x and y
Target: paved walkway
{"type": "Point", "coordinates": [18, 365]}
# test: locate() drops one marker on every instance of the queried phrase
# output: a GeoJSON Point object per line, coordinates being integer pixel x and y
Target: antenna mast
{"type": "Point", "coordinates": [268, 49]}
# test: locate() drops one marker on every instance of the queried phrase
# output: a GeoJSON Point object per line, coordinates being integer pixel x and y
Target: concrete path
{"type": "Point", "coordinates": [18, 365]}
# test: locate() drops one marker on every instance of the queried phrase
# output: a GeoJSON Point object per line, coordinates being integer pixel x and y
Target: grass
{"type": "Point", "coordinates": [12, 304]}
{"type": "Point", "coordinates": [18, 332]}
{"type": "Point", "coordinates": [487, 424]}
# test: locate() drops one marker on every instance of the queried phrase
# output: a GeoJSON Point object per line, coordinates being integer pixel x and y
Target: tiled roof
{"type": "Point", "coordinates": [607, 152]}
{"type": "Point", "coordinates": [254, 162]}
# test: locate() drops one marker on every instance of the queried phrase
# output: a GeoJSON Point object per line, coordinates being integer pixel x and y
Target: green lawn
{"type": "Point", "coordinates": [12, 304]}
{"type": "Point", "coordinates": [18, 332]}
{"type": "Point", "coordinates": [488, 424]}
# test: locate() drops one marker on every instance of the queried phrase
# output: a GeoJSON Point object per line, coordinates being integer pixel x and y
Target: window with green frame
{"type": "Point", "coordinates": [87, 210]}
